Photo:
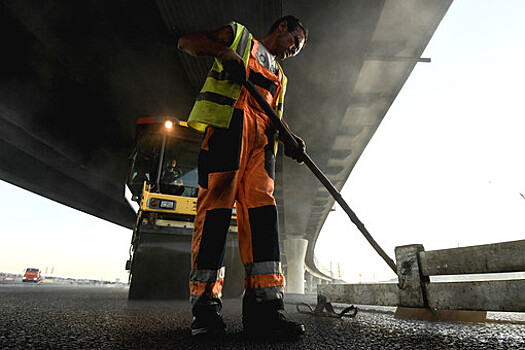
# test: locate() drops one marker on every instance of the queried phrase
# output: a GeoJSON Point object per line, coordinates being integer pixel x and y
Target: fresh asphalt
{"type": "Point", "coordinates": [48, 316]}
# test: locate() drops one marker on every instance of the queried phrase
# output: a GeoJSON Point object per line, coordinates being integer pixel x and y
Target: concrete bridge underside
{"type": "Point", "coordinates": [75, 77]}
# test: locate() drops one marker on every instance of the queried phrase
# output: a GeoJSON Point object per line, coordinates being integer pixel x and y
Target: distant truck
{"type": "Point", "coordinates": [32, 275]}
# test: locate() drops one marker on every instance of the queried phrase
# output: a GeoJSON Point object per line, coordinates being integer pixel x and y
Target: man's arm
{"type": "Point", "coordinates": [215, 44]}
{"type": "Point", "coordinates": [207, 44]}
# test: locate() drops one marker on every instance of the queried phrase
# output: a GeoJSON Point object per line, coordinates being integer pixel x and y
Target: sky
{"type": "Point", "coordinates": [65, 242]}
{"type": "Point", "coordinates": [446, 166]}
{"type": "Point", "coordinates": [444, 169]}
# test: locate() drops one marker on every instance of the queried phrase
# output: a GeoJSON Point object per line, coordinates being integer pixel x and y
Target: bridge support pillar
{"type": "Point", "coordinates": [295, 251]}
{"type": "Point", "coordinates": [309, 283]}
{"type": "Point", "coordinates": [317, 281]}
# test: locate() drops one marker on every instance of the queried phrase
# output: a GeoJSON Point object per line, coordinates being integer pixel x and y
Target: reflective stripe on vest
{"type": "Point", "coordinates": [215, 103]}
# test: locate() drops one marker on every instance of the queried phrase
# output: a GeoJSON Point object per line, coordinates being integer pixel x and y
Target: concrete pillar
{"type": "Point", "coordinates": [317, 281]}
{"type": "Point", "coordinates": [295, 251]}
{"type": "Point", "coordinates": [309, 283]}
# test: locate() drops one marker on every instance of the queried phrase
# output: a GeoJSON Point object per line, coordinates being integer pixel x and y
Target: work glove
{"type": "Point", "coordinates": [234, 65]}
{"type": "Point", "coordinates": [293, 151]}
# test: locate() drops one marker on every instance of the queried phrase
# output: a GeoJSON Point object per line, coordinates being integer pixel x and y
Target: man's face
{"type": "Point", "coordinates": [289, 43]}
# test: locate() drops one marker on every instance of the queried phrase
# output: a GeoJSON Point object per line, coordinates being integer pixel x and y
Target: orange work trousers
{"type": "Point", "coordinates": [237, 165]}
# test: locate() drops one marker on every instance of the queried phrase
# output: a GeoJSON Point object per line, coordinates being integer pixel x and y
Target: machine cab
{"type": "Point", "coordinates": [164, 160]}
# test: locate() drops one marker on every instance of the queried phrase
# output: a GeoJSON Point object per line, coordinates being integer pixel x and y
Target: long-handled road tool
{"type": "Point", "coordinates": [285, 132]}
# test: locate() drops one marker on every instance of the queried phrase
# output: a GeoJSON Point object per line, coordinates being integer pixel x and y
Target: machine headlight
{"type": "Point", "coordinates": [168, 124]}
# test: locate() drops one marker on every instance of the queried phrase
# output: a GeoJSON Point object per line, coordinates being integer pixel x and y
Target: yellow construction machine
{"type": "Point", "coordinates": [162, 187]}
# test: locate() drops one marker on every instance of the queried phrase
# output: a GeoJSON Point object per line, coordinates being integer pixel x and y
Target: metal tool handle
{"type": "Point", "coordinates": [286, 134]}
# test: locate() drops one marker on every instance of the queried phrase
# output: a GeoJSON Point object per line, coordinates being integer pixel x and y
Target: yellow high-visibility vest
{"type": "Point", "coordinates": [215, 103]}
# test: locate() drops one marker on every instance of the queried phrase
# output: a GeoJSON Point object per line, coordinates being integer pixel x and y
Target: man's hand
{"type": "Point", "coordinates": [293, 151]}
{"type": "Point", "coordinates": [234, 65]}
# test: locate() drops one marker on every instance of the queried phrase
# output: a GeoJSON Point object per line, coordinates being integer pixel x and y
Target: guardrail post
{"type": "Point", "coordinates": [412, 283]}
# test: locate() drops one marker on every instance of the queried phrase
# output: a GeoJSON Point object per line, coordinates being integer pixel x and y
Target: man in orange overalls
{"type": "Point", "coordinates": [237, 165]}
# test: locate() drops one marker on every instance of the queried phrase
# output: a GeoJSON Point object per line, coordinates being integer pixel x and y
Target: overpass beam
{"type": "Point", "coordinates": [295, 251]}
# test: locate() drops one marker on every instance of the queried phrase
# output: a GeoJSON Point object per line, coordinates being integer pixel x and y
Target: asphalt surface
{"type": "Point", "coordinates": [96, 317]}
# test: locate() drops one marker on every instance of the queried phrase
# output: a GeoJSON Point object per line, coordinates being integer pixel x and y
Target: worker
{"type": "Point", "coordinates": [237, 165]}
{"type": "Point", "coordinates": [172, 172]}
{"type": "Point", "coordinates": [171, 182]}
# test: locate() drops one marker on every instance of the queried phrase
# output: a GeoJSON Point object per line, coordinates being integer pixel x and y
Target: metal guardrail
{"type": "Point", "coordinates": [415, 290]}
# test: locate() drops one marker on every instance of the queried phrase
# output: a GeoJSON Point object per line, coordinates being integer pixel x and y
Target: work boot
{"type": "Point", "coordinates": [267, 320]}
{"type": "Point", "coordinates": [207, 323]}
